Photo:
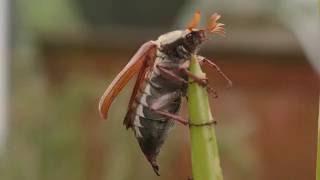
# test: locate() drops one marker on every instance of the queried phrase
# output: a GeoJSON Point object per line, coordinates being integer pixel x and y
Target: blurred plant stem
{"type": "Point", "coordinates": [204, 148]}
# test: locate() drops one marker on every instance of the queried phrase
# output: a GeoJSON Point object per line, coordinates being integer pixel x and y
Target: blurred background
{"type": "Point", "coordinates": [64, 53]}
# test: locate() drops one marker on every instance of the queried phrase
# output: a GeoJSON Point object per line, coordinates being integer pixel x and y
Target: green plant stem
{"type": "Point", "coordinates": [318, 155]}
{"type": "Point", "coordinates": [318, 146]}
{"type": "Point", "coordinates": [204, 148]}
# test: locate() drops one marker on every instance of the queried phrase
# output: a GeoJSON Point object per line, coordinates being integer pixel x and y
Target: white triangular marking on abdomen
{"type": "Point", "coordinates": [137, 122]}
{"type": "Point", "coordinates": [147, 89]}
{"type": "Point", "coordinates": [140, 110]}
{"type": "Point", "coordinates": [143, 100]}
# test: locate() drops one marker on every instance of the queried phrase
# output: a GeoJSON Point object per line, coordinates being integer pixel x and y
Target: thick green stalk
{"type": "Point", "coordinates": [204, 148]}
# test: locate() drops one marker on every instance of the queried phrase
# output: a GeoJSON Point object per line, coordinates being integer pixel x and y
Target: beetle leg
{"type": "Point", "coordinates": [201, 81]}
{"type": "Point", "coordinates": [163, 100]}
{"type": "Point", "coordinates": [181, 119]}
{"type": "Point", "coordinates": [212, 91]}
{"type": "Point", "coordinates": [172, 116]}
{"type": "Point", "coordinates": [205, 61]}
{"type": "Point", "coordinates": [169, 73]}
{"type": "Point", "coordinates": [159, 103]}
{"type": "Point", "coordinates": [184, 68]}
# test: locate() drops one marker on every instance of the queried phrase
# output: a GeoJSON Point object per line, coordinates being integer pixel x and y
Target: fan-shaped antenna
{"type": "Point", "coordinates": [195, 20]}
{"type": "Point", "coordinates": [213, 26]}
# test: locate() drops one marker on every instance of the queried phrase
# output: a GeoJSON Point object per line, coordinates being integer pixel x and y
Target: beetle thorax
{"type": "Point", "coordinates": [172, 46]}
{"type": "Point", "coordinates": [170, 37]}
{"type": "Point", "coordinates": [179, 45]}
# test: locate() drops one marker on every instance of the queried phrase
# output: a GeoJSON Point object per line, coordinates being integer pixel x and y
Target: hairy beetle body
{"type": "Point", "coordinates": [162, 69]}
{"type": "Point", "coordinates": [151, 128]}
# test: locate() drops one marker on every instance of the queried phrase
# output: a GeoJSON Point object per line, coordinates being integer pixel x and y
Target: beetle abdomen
{"type": "Point", "coordinates": [153, 135]}
{"type": "Point", "coordinates": [151, 128]}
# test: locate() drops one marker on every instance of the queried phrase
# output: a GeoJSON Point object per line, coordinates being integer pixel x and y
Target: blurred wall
{"type": "Point", "coordinates": [66, 52]}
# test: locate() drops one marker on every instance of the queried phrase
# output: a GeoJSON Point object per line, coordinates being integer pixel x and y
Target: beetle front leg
{"type": "Point", "coordinates": [209, 63]}
{"type": "Point", "coordinates": [201, 81]}
{"type": "Point", "coordinates": [170, 74]}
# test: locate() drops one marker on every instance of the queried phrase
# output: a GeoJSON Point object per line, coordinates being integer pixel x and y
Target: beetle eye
{"type": "Point", "coordinates": [189, 36]}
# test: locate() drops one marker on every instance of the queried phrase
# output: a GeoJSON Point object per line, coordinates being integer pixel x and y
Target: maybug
{"type": "Point", "coordinates": [162, 81]}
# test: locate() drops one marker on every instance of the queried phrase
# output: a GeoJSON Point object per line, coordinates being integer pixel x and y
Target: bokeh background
{"type": "Point", "coordinates": [66, 52]}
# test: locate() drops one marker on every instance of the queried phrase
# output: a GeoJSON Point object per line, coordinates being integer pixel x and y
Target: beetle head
{"type": "Point", "coordinates": [212, 26]}
{"type": "Point", "coordinates": [194, 37]}
{"type": "Point", "coordinates": [190, 39]}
